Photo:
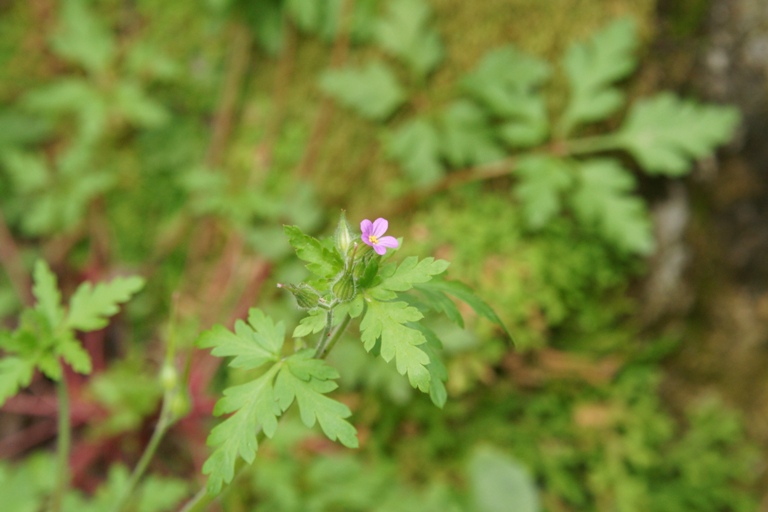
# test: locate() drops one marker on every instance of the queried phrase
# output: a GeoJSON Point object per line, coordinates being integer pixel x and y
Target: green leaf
{"type": "Point", "coordinates": [665, 133]}
{"type": "Point", "coordinates": [321, 18]}
{"type": "Point", "coordinates": [28, 172]}
{"type": "Point", "coordinates": [604, 201]}
{"type": "Point", "coordinates": [90, 306]}
{"type": "Point", "coordinates": [313, 323]}
{"type": "Point", "coordinates": [541, 182]}
{"type": "Point", "coordinates": [593, 67]}
{"type": "Point", "coordinates": [320, 261]}
{"type": "Point", "coordinates": [46, 292]}
{"type": "Point", "coordinates": [465, 294]}
{"type": "Point", "coordinates": [405, 33]}
{"type": "Point", "coordinates": [467, 136]}
{"type": "Point", "coordinates": [236, 436]}
{"type": "Point", "coordinates": [438, 373]}
{"type": "Point", "coordinates": [506, 82]}
{"type": "Point", "coordinates": [371, 91]}
{"type": "Point", "coordinates": [499, 483]}
{"type": "Point", "coordinates": [74, 354]}
{"type": "Point", "coordinates": [307, 380]}
{"type": "Point", "coordinates": [138, 108]}
{"type": "Point", "coordinates": [415, 146]}
{"type": "Point", "coordinates": [15, 373]}
{"type": "Point", "coordinates": [81, 38]}
{"type": "Point", "coordinates": [410, 272]}
{"type": "Point", "coordinates": [252, 345]}
{"type": "Point", "coordinates": [386, 320]}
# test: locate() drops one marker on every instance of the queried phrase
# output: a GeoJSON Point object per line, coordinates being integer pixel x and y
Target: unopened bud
{"type": "Point", "coordinates": [343, 237]}
{"type": "Point", "coordinates": [344, 288]}
{"type": "Point", "coordinates": [169, 377]}
{"type": "Point", "coordinates": [306, 296]}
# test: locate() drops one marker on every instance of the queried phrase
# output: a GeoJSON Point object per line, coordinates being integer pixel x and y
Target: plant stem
{"type": "Point", "coordinates": [592, 144]}
{"type": "Point", "coordinates": [325, 337]}
{"type": "Point", "coordinates": [327, 343]}
{"type": "Point", "coordinates": [64, 442]}
{"type": "Point", "coordinates": [161, 428]}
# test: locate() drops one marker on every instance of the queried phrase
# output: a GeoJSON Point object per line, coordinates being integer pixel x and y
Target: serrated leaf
{"type": "Point", "coordinates": [321, 18]}
{"type": "Point", "coordinates": [74, 354]}
{"type": "Point", "coordinates": [320, 261]}
{"type": "Point", "coordinates": [28, 172]}
{"type": "Point", "coordinates": [604, 201]}
{"type": "Point", "coordinates": [665, 133]}
{"type": "Point", "coordinates": [467, 295]}
{"type": "Point", "coordinates": [90, 306]}
{"type": "Point", "coordinates": [386, 320]}
{"type": "Point", "coordinates": [252, 345]}
{"type": "Point", "coordinates": [593, 67]}
{"type": "Point", "coordinates": [438, 373]}
{"type": "Point", "coordinates": [413, 271]}
{"type": "Point", "coordinates": [371, 91]}
{"type": "Point", "coordinates": [466, 136]}
{"type": "Point", "coordinates": [15, 373]}
{"type": "Point", "coordinates": [137, 107]}
{"type": "Point", "coordinates": [506, 82]}
{"type": "Point", "coordinates": [406, 34]}
{"type": "Point", "coordinates": [236, 436]}
{"type": "Point", "coordinates": [415, 146]}
{"type": "Point", "coordinates": [310, 324]}
{"type": "Point", "coordinates": [541, 183]}
{"type": "Point", "coordinates": [307, 380]}
{"type": "Point", "coordinates": [81, 38]}
{"type": "Point", "coordinates": [46, 292]}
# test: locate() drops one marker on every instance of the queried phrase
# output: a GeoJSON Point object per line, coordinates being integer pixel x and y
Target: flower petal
{"type": "Point", "coordinates": [380, 249]}
{"type": "Point", "coordinates": [380, 227]}
{"type": "Point", "coordinates": [366, 227]}
{"type": "Point", "coordinates": [389, 241]}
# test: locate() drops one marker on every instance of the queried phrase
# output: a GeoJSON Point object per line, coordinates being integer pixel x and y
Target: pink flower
{"type": "Point", "coordinates": [372, 235]}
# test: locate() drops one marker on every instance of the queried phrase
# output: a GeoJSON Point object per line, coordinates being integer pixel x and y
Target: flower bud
{"type": "Point", "coordinates": [306, 296]}
{"type": "Point", "coordinates": [344, 288]}
{"type": "Point", "coordinates": [343, 237]}
{"type": "Point", "coordinates": [169, 377]}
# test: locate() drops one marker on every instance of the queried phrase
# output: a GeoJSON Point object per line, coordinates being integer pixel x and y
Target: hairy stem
{"type": "Point", "coordinates": [64, 442]}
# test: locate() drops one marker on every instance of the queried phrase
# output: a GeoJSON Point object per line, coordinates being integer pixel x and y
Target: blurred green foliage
{"type": "Point", "coordinates": [174, 139]}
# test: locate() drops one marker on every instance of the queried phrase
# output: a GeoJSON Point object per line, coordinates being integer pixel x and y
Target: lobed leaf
{"type": "Point", "coordinates": [90, 306]}
{"type": "Point", "coordinates": [236, 436]}
{"type": "Point", "coordinates": [15, 373]}
{"type": "Point", "coordinates": [541, 182]}
{"type": "Point", "coordinates": [252, 345]}
{"type": "Point", "coordinates": [412, 271]}
{"type": "Point", "coordinates": [593, 67]}
{"type": "Point", "coordinates": [372, 91]}
{"type": "Point", "coordinates": [385, 321]}
{"type": "Point", "coordinates": [320, 261]}
{"type": "Point", "coordinates": [465, 294]}
{"type": "Point", "coordinates": [604, 201]}
{"type": "Point", "coordinates": [306, 380]}
{"type": "Point", "coordinates": [405, 33]}
{"type": "Point", "coordinates": [415, 145]}
{"type": "Point", "coordinates": [313, 323]}
{"type": "Point", "coordinates": [81, 38]}
{"type": "Point", "coordinates": [46, 292]}
{"type": "Point", "coordinates": [466, 135]}
{"type": "Point", "coordinates": [665, 133]}
{"type": "Point", "coordinates": [506, 82]}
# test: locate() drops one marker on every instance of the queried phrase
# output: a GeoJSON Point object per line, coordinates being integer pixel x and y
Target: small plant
{"type": "Point", "coordinates": [352, 279]}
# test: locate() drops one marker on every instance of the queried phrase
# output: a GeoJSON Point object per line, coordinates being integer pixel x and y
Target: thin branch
{"type": "Point", "coordinates": [10, 259]}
